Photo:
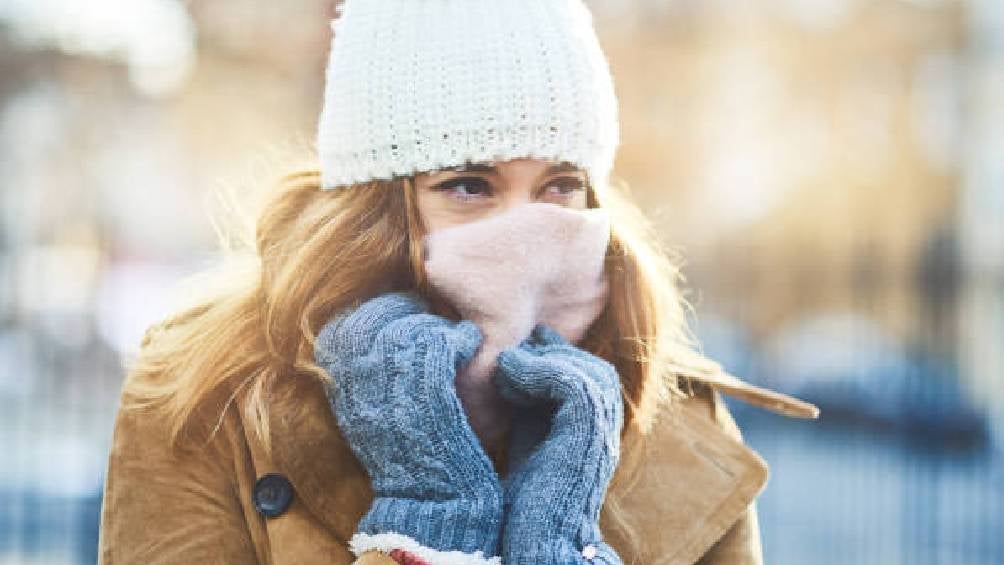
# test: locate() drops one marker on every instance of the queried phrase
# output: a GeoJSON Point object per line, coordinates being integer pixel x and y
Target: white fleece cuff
{"type": "Point", "coordinates": [387, 541]}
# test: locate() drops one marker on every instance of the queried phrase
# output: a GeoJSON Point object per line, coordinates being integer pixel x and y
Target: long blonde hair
{"type": "Point", "coordinates": [315, 251]}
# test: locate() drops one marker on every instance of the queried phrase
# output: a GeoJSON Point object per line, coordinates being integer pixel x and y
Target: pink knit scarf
{"type": "Point", "coordinates": [537, 262]}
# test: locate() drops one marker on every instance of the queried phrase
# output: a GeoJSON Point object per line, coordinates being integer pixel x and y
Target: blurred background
{"type": "Point", "coordinates": [831, 170]}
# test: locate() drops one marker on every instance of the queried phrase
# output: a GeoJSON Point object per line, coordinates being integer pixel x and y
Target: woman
{"type": "Point", "coordinates": [304, 413]}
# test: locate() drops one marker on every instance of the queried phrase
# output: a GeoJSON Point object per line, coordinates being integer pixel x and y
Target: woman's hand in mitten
{"type": "Point", "coordinates": [554, 490]}
{"type": "Point", "coordinates": [393, 366]}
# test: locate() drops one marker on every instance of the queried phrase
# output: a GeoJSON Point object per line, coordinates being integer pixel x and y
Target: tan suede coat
{"type": "Point", "coordinates": [691, 499]}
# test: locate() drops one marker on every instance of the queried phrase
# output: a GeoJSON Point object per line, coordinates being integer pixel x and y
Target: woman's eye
{"type": "Point", "coordinates": [464, 188]}
{"type": "Point", "coordinates": [567, 186]}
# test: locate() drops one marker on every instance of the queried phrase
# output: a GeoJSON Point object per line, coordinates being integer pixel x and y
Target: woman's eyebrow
{"type": "Point", "coordinates": [465, 168]}
{"type": "Point", "coordinates": [562, 167]}
{"type": "Point", "coordinates": [474, 168]}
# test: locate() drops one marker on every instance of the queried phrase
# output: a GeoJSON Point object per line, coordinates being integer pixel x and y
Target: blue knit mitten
{"type": "Point", "coordinates": [571, 400]}
{"type": "Point", "coordinates": [393, 366]}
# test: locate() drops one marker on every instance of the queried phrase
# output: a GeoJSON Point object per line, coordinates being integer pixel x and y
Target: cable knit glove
{"type": "Point", "coordinates": [393, 366]}
{"type": "Point", "coordinates": [555, 489]}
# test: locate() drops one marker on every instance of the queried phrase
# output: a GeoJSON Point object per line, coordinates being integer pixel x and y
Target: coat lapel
{"type": "Point", "coordinates": [309, 449]}
{"type": "Point", "coordinates": [684, 486]}
{"type": "Point", "coordinates": [774, 401]}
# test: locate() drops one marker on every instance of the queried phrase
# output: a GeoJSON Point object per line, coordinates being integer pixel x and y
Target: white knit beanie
{"type": "Point", "coordinates": [419, 85]}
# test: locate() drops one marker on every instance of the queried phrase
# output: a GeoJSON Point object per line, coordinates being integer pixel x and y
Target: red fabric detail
{"type": "Point", "coordinates": [407, 558]}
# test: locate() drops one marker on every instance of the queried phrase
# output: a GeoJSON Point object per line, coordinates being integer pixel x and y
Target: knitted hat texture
{"type": "Point", "coordinates": [419, 85]}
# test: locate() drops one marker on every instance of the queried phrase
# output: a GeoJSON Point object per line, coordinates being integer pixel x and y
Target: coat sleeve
{"type": "Point", "coordinates": [741, 543]}
{"type": "Point", "coordinates": [164, 508]}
